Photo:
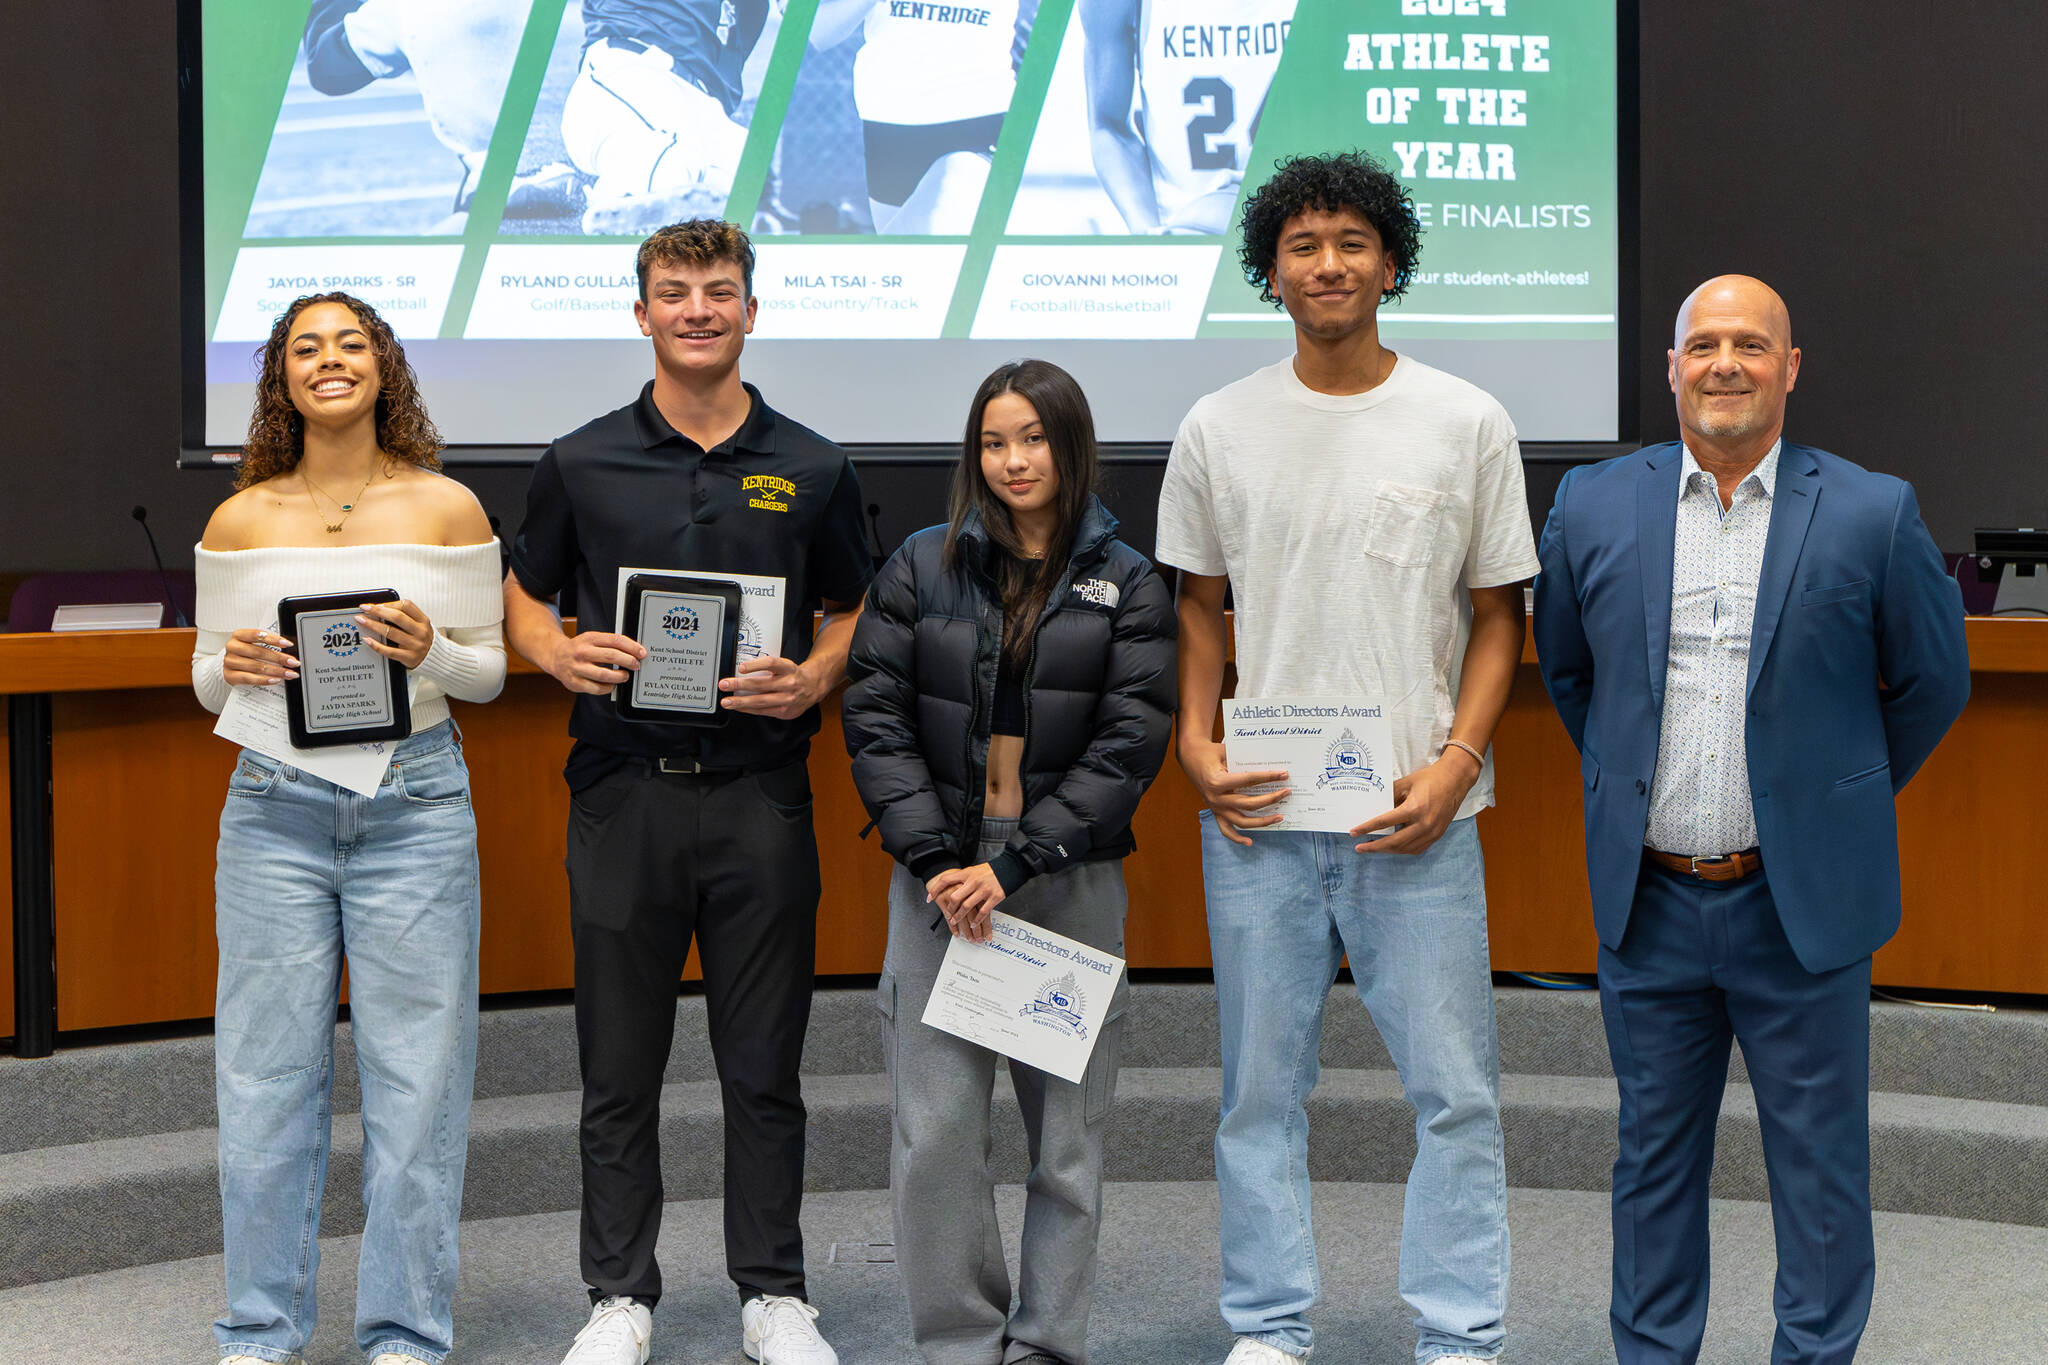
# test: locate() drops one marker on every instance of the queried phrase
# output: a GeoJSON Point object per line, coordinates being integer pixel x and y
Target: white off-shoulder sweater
{"type": "Point", "coordinates": [457, 586]}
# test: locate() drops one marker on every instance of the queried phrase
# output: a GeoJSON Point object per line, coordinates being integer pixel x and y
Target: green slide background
{"type": "Point", "coordinates": [1563, 156]}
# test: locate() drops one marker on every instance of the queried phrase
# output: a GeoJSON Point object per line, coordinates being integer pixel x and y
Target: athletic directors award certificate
{"type": "Point", "coordinates": [1337, 753]}
{"type": "Point", "coordinates": [1027, 993]}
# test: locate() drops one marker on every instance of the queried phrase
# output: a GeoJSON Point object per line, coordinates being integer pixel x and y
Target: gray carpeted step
{"type": "Point", "coordinates": [128, 1090]}
{"type": "Point", "coordinates": [1948, 1291]}
{"type": "Point", "coordinates": [128, 1201]}
{"type": "Point", "coordinates": [79, 1209]}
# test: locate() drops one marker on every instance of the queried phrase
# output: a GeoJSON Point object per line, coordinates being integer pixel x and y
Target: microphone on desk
{"type": "Point", "coordinates": [141, 515]}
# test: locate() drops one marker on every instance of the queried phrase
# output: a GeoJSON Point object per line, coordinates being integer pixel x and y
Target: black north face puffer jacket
{"type": "Point", "coordinates": [1098, 701]}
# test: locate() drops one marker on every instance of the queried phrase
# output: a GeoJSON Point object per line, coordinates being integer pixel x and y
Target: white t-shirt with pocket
{"type": "Point", "coordinates": [1351, 527]}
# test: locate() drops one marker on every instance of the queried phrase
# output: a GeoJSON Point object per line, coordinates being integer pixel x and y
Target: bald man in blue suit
{"type": "Point", "coordinates": [1754, 645]}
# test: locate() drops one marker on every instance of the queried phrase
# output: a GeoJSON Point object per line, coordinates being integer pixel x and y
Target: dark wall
{"type": "Point", "coordinates": [1877, 160]}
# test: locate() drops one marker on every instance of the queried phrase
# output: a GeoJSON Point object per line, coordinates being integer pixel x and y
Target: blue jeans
{"type": "Point", "coordinates": [1282, 914]}
{"type": "Point", "coordinates": [309, 874]}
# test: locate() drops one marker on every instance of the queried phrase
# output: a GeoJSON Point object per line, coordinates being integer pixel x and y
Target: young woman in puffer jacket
{"type": "Point", "coordinates": [1011, 689]}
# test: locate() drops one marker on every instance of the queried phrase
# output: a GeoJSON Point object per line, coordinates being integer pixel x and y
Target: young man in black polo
{"type": "Point", "coordinates": [677, 832]}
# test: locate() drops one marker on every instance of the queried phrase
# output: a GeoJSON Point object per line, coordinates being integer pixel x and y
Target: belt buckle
{"type": "Point", "coordinates": [1717, 860]}
{"type": "Point", "coordinates": [685, 767]}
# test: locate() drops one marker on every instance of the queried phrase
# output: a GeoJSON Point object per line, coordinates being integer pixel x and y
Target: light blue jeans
{"type": "Point", "coordinates": [309, 874]}
{"type": "Point", "coordinates": [1282, 914]}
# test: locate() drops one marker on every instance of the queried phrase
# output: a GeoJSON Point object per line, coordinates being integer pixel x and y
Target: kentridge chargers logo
{"type": "Point", "coordinates": [1058, 1007]}
{"type": "Point", "coordinates": [1347, 766]}
{"type": "Point", "coordinates": [771, 493]}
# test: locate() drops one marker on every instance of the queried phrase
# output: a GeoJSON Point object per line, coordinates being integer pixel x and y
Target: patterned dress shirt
{"type": "Point", "coordinates": [1699, 803]}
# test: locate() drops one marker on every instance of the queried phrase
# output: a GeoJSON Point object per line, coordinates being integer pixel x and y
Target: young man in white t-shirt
{"type": "Point", "coordinates": [1368, 511]}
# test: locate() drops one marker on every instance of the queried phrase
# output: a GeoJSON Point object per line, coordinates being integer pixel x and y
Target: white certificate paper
{"type": "Point", "coordinates": [255, 718]}
{"type": "Point", "coordinates": [760, 607]}
{"type": "Point", "coordinates": [1338, 753]}
{"type": "Point", "coordinates": [258, 718]}
{"type": "Point", "coordinates": [1027, 993]}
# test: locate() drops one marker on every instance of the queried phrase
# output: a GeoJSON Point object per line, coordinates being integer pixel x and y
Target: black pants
{"type": "Point", "coordinates": [653, 860]}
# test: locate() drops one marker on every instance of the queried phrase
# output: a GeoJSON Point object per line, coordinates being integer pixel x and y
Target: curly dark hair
{"type": "Point", "coordinates": [1343, 180]}
{"type": "Point", "coordinates": [698, 242]}
{"type": "Point", "coordinates": [277, 433]}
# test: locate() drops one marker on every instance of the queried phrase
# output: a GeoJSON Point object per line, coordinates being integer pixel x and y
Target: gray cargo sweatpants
{"type": "Point", "coordinates": [948, 1248]}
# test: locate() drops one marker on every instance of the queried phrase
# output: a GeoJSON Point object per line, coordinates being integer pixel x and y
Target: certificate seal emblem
{"type": "Point", "coordinates": [1348, 766]}
{"type": "Point", "coordinates": [1058, 1007]}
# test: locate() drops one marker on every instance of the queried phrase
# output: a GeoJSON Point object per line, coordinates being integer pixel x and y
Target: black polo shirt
{"type": "Point", "coordinates": [774, 498]}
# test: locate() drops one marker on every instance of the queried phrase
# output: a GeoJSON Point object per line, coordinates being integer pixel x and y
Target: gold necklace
{"type": "Point", "coordinates": [347, 508]}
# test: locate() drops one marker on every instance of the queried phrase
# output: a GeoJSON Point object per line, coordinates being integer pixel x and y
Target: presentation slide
{"type": "Point", "coordinates": [933, 188]}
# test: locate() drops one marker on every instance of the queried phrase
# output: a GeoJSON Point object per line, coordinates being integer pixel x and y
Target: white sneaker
{"type": "Point", "coordinates": [1252, 1352]}
{"type": "Point", "coordinates": [776, 1329]}
{"type": "Point", "coordinates": [394, 1358]}
{"type": "Point", "coordinates": [616, 1334]}
{"type": "Point", "coordinates": [258, 1360]}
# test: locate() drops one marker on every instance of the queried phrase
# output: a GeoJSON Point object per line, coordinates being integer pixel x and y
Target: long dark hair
{"type": "Point", "coordinates": [1025, 584]}
{"type": "Point", "coordinates": [277, 434]}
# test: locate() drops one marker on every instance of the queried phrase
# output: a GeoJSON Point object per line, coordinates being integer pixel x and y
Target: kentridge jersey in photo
{"type": "Point", "coordinates": [932, 82]}
{"type": "Point", "coordinates": [924, 63]}
{"type": "Point", "coordinates": [1204, 67]}
{"type": "Point", "coordinates": [652, 116]}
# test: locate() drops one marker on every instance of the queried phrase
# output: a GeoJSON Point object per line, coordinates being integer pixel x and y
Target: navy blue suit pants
{"type": "Point", "coordinates": [1700, 964]}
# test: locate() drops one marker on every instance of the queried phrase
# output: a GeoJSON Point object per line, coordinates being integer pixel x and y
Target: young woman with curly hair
{"type": "Point", "coordinates": [402, 430]}
{"type": "Point", "coordinates": [339, 494]}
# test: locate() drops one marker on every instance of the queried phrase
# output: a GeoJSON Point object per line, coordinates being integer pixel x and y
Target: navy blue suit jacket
{"type": "Point", "coordinates": [1857, 667]}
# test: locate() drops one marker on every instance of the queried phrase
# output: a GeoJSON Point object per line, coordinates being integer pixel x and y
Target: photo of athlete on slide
{"type": "Point", "coordinates": [1175, 88]}
{"type": "Point", "coordinates": [390, 65]}
{"type": "Point", "coordinates": [931, 84]}
{"type": "Point", "coordinates": [652, 118]}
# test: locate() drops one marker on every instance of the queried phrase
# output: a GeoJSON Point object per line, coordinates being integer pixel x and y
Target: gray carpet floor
{"type": "Point", "coordinates": [1948, 1290]}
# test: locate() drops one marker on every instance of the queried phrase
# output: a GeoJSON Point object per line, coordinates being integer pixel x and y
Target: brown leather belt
{"type": "Point", "coordinates": [1726, 867]}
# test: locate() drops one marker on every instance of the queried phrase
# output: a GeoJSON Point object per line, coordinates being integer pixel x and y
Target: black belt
{"type": "Point", "coordinates": [690, 767]}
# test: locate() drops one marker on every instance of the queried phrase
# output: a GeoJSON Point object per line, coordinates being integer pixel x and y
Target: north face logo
{"type": "Point", "coordinates": [1100, 591]}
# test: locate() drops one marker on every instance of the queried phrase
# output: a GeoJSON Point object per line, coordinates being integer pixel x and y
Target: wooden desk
{"type": "Point", "coordinates": [137, 779]}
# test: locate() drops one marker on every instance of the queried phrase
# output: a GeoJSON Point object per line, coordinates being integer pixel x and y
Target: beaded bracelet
{"type": "Point", "coordinates": [1461, 744]}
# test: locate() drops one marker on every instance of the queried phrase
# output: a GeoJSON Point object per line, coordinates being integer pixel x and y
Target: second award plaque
{"type": "Point", "coordinates": [691, 628]}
